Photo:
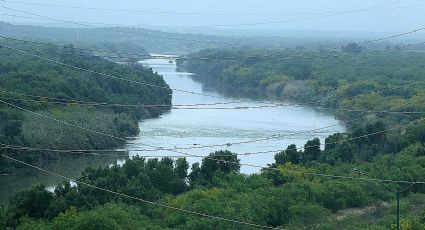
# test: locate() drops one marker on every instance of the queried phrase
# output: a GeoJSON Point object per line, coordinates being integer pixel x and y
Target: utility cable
{"type": "Point", "coordinates": [139, 199]}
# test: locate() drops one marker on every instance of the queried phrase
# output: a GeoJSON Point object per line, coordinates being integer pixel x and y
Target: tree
{"type": "Point", "coordinates": [181, 167]}
{"type": "Point", "coordinates": [333, 140]}
{"type": "Point", "coordinates": [34, 203]}
{"type": "Point", "coordinates": [219, 163]}
{"type": "Point", "coordinates": [311, 150]}
{"type": "Point", "coordinates": [291, 154]}
{"type": "Point", "coordinates": [343, 152]}
{"type": "Point", "coordinates": [416, 132]}
{"type": "Point", "coordinates": [195, 173]}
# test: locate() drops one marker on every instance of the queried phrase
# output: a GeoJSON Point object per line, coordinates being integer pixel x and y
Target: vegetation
{"type": "Point", "coordinates": [276, 197]}
{"type": "Point", "coordinates": [48, 82]}
{"type": "Point", "coordinates": [330, 79]}
{"type": "Point", "coordinates": [290, 193]}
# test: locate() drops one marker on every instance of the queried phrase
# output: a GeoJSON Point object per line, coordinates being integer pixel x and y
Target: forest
{"type": "Point", "coordinates": [49, 89]}
{"type": "Point", "coordinates": [370, 80]}
{"type": "Point", "coordinates": [385, 140]}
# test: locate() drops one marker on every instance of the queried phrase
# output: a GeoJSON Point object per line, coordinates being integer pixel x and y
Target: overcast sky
{"type": "Point", "coordinates": [378, 15]}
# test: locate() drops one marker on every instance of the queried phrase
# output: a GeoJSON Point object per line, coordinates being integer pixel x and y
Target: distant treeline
{"type": "Point", "coordinates": [132, 39]}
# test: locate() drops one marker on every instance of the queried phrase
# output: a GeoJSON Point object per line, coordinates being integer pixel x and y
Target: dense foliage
{"type": "Point", "coordinates": [291, 193]}
{"type": "Point", "coordinates": [49, 82]}
{"type": "Point", "coordinates": [331, 79]}
{"type": "Point", "coordinates": [278, 196]}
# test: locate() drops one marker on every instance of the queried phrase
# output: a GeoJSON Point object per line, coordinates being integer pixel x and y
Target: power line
{"type": "Point", "coordinates": [64, 102]}
{"type": "Point", "coordinates": [85, 24]}
{"type": "Point", "coordinates": [112, 76]}
{"type": "Point", "coordinates": [91, 103]}
{"type": "Point", "coordinates": [241, 107]}
{"type": "Point", "coordinates": [120, 31]}
{"type": "Point", "coordinates": [93, 152]}
{"type": "Point", "coordinates": [106, 75]}
{"type": "Point", "coordinates": [134, 55]}
{"type": "Point", "coordinates": [292, 96]}
{"type": "Point", "coordinates": [139, 199]}
{"type": "Point", "coordinates": [175, 149]}
{"type": "Point", "coordinates": [325, 15]}
{"type": "Point", "coordinates": [270, 137]}
{"type": "Point", "coordinates": [52, 60]}
{"type": "Point", "coordinates": [63, 122]}
{"type": "Point", "coordinates": [83, 69]}
{"type": "Point", "coordinates": [199, 13]}
{"type": "Point", "coordinates": [313, 174]}
{"type": "Point", "coordinates": [276, 169]}
{"type": "Point", "coordinates": [185, 58]}
{"type": "Point", "coordinates": [124, 79]}
{"type": "Point", "coordinates": [138, 55]}
{"type": "Point", "coordinates": [325, 144]}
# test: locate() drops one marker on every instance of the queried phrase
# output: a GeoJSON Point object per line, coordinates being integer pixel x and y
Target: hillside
{"type": "Point", "coordinates": [49, 89]}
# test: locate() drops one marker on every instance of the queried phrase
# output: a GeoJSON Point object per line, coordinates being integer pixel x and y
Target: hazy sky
{"type": "Point", "coordinates": [385, 18]}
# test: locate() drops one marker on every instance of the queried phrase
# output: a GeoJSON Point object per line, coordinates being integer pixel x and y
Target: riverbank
{"type": "Point", "coordinates": [196, 129]}
{"type": "Point", "coordinates": [347, 85]}
{"type": "Point", "coordinates": [46, 106]}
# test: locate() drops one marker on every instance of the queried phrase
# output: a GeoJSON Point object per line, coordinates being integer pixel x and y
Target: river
{"type": "Point", "coordinates": [181, 128]}
{"type": "Point", "coordinates": [194, 128]}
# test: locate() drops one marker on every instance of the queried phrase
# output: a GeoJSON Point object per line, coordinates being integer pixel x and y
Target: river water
{"type": "Point", "coordinates": [193, 129]}
{"type": "Point", "coordinates": [181, 128]}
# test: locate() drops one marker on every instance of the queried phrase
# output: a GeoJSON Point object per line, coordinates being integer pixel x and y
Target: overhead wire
{"type": "Point", "coordinates": [364, 42]}
{"type": "Point", "coordinates": [129, 80]}
{"type": "Point", "coordinates": [200, 214]}
{"type": "Point", "coordinates": [292, 96]}
{"type": "Point", "coordinates": [314, 174]}
{"type": "Point", "coordinates": [138, 55]}
{"type": "Point", "coordinates": [177, 149]}
{"type": "Point", "coordinates": [192, 13]}
{"type": "Point", "coordinates": [186, 58]}
{"type": "Point", "coordinates": [201, 106]}
{"type": "Point", "coordinates": [115, 77]}
{"type": "Point", "coordinates": [146, 34]}
{"type": "Point", "coordinates": [76, 126]}
{"type": "Point", "coordinates": [78, 68]}
{"type": "Point", "coordinates": [325, 15]}
{"type": "Point", "coordinates": [9, 103]}
{"type": "Point", "coordinates": [97, 152]}
{"type": "Point", "coordinates": [139, 199]}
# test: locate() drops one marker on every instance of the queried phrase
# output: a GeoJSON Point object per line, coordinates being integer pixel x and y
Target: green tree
{"type": "Point", "coordinates": [34, 203]}
{"type": "Point", "coordinates": [311, 150]}
{"type": "Point", "coordinates": [416, 132]}
{"type": "Point", "coordinates": [291, 154]}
